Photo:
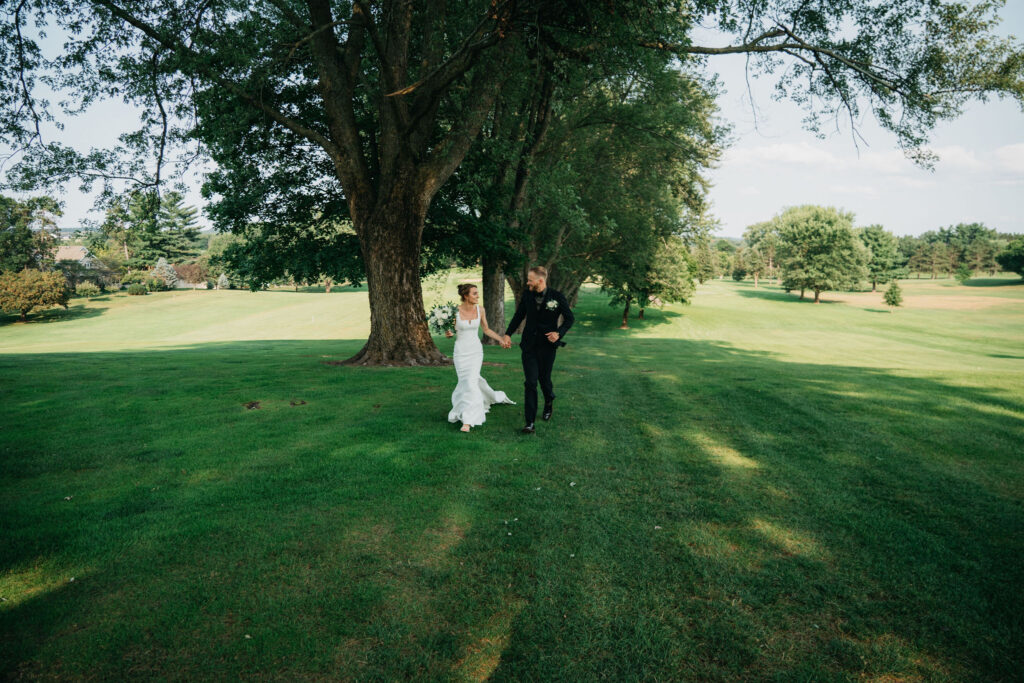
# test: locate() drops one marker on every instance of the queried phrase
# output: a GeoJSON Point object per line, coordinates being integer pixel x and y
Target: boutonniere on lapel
{"type": "Point", "coordinates": [551, 305]}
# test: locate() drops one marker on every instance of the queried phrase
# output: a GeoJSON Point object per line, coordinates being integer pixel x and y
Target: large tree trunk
{"type": "Point", "coordinates": [517, 287]}
{"type": "Point", "coordinates": [572, 292]}
{"type": "Point", "coordinates": [494, 297]}
{"type": "Point", "coordinates": [391, 239]}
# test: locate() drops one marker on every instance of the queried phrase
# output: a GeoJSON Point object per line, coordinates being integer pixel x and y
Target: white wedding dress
{"type": "Point", "coordinates": [473, 396]}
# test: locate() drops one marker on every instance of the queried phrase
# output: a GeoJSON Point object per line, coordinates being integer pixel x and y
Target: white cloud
{"type": "Point", "coordinates": [800, 153]}
{"type": "Point", "coordinates": [854, 189]}
{"type": "Point", "coordinates": [1010, 158]}
{"type": "Point", "coordinates": [915, 183]}
{"type": "Point", "coordinates": [959, 158]}
{"type": "Point", "coordinates": [891, 161]}
{"type": "Point", "coordinates": [888, 162]}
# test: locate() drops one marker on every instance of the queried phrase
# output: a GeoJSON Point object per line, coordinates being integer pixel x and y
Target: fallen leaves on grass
{"type": "Point", "coordinates": [252, 405]}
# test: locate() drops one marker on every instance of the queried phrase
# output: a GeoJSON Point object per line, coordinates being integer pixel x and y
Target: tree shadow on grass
{"type": "Point", "coordinates": [725, 514]}
{"type": "Point", "coordinates": [608, 320]}
{"type": "Point", "coordinates": [778, 295]}
{"type": "Point", "coordinates": [992, 282]}
{"type": "Point", "coordinates": [52, 315]}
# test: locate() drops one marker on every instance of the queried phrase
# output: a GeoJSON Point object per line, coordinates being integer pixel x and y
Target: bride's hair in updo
{"type": "Point", "coordinates": [464, 290]}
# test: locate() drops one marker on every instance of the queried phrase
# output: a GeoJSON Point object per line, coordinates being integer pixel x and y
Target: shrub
{"type": "Point", "coordinates": [156, 284]}
{"type": "Point", "coordinates": [963, 273]}
{"type": "Point", "coordinates": [192, 273]}
{"type": "Point", "coordinates": [132, 278]}
{"type": "Point", "coordinates": [163, 271]}
{"type": "Point", "coordinates": [223, 282]}
{"type": "Point", "coordinates": [29, 289]}
{"type": "Point", "coordinates": [1011, 258]}
{"type": "Point", "coordinates": [87, 289]}
{"type": "Point", "coordinates": [738, 274]}
{"type": "Point", "coordinates": [137, 288]}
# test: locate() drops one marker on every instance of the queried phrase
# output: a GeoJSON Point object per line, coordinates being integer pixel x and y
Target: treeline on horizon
{"type": "Point", "coordinates": [818, 248]}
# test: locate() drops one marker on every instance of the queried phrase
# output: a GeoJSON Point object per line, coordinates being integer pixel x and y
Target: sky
{"type": "Point", "coordinates": [773, 162]}
{"type": "Point", "coordinates": [776, 163]}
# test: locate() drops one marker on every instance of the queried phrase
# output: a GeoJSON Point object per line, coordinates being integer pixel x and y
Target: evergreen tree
{"type": "Point", "coordinates": [893, 295]}
{"type": "Point", "coordinates": [165, 272]}
{"type": "Point", "coordinates": [981, 256]}
{"type": "Point", "coordinates": [28, 236]}
{"type": "Point", "coordinates": [704, 262]}
{"type": "Point", "coordinates": [884, 251]}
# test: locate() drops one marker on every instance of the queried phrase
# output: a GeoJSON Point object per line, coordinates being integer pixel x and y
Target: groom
{"type": "Point", "coordinates": [542, 336]}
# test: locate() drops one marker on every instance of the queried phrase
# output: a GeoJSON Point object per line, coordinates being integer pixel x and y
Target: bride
{"type": "Point", "coordinates": [472, 397]}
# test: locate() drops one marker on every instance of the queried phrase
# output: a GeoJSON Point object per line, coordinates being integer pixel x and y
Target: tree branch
{"type": "Point", "coordinates": [180, 48]}
{"type": "Point", "coordinates": [21, 73]}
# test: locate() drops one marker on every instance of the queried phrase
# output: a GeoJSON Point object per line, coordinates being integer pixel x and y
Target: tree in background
{"type": "Point", "coordinates": [906, 246]}
{"type": "Point", "coordinates": [981, 257]}
{"type": "Point", "coordinates": [739, 265]}
{"type": "Point", "coordinates": [140, 227]}
{"type": "Point", "coordinates": [963, 273]}
{"type": "Point", "coordinates": [176, 216]}
{"type": "Point", "coordinates": [918, 262]}
{"type": "Point", "coordinates": [764, 237]}
{"type": "Point", "coordinates": [818, 250]}
{"type": "Point", "coordinates": [28, 233]}
{"type": "Point", "coordinates": [26, 290]}
{"type": "Point", "coordinates": [884, 251]}
{"type": "Point", "coordinates": [937, 258]}
{"type": "Point", "coordinates": [893, 296]}
{"type": "Point", "coordinates": [192, 273]}
{"type": "Point", "coordinates": [703, 259]}
{"type": "Point", "coordinates": [1011, 258]}
{"type": "Point", "coordinates": [619, 170]}
{"type": "Point", "coordinates": [663, 274]}
{"type": "Point", "coordinates": [755, 262]}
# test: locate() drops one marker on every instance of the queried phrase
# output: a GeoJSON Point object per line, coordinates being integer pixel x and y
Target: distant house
{"type": "Point", "coordinates": [67, 252]}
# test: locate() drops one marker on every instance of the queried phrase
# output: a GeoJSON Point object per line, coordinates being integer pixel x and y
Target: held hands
{"type": "Point", "coordinates": [506, 342]}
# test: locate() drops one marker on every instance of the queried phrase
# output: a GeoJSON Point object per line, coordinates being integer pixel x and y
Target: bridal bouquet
{"type": "Point", "coordinates": [442, 318]}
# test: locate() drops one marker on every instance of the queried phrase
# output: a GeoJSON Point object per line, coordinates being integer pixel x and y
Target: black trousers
{"type": "Point", "coordinates": [537, 364]}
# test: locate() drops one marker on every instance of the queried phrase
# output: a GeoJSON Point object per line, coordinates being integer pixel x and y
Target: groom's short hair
{"type": "Point", "coordinates": [540, 271]}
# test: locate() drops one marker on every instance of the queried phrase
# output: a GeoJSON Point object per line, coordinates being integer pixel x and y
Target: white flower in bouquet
{"type": "Point", "coordinates": [442, 318]}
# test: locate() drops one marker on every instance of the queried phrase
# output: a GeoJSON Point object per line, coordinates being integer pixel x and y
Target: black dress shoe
{"type": "Point", "coordinates": [547, 412]}
{"type": "Point", "coordinates": [528, 429]}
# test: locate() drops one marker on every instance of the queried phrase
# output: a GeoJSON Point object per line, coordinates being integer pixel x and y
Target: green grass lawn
{"type": "Point", "coordinates": [749, 487]}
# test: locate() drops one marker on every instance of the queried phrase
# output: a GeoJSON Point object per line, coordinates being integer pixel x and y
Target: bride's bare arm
{"type": "Point", "coordinates": [487, 330]}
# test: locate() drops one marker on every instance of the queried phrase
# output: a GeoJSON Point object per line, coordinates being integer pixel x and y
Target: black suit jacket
{"type": "Point", "coordinates": [539, 323]}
